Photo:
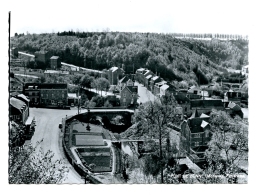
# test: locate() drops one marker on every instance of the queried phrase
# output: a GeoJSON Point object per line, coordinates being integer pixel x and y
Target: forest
{"type": "Point", "coordinates": [196, 61]}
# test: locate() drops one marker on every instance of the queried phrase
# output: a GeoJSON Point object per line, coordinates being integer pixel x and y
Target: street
{"type": "Point", "coordinates": [47, 121]}
{"type": "Point", "coordinates": [144, 94]}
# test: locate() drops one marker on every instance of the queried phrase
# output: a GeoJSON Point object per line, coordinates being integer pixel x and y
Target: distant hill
{"type": "Point", "coordinates": [192, 60]}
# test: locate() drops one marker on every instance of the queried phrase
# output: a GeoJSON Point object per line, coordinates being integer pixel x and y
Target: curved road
{"type": "Point", "coordinates": [47, 121]}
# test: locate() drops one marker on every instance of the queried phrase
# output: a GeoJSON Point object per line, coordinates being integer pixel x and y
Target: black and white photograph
{"type": "Point", "coordinates": [128, 92]}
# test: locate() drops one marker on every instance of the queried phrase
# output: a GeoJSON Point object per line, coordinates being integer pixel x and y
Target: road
{"type": "Point", "coordinates": [144, 94]}
{"type": "Point", "coordinates": [47, 121]}
{"type": "Point", "coordinates": [23, 75]}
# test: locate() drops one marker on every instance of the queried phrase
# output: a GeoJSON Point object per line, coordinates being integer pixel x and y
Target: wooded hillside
{"type": "Point", "coordinates": [195, 61]}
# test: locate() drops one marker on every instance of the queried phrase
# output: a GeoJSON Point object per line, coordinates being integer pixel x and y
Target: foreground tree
{"type": "Point", "coordinates": [30, 165]}
{"type": "Point", "coordinates": [153, 119]}
{"type": "Point", "coordinates": [227, 154]}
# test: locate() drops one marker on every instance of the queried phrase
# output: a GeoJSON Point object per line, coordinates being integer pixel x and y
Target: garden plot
{"type": "Point", "coordinates": [88, 140]}
{"type": "Point", "coordinates": [100, 157]}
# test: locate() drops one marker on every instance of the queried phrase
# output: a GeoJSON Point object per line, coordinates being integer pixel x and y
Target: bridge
{"type": "Point", "coordinates": [106, 115]}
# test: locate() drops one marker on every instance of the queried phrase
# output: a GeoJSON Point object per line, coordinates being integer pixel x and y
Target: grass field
{"type": "Point", "coordinates": [88, 140]}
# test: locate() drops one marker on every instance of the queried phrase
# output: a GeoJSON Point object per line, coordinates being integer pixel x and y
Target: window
{"type": "Point", "coordinates": [197, 135]}
{"type": "Point", "coordinates": [124, 100]}
{"type": "Point", "coordinates": [42, 95]}
{"type": "Point", "coordinates": [196, 143]}
{"type": "Point", "coordinates": [52, 95]}
{"type": "Point", "coordinates": [207, 134]}
{"type": "Point", "coordinates": [62, 95]}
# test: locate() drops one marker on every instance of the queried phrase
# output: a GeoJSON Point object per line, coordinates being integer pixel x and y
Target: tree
{"type": "Point", "coordinates": [30, 165]}
{"type": "Point", "coordinates": [228, 147]}
{"type": "Point", "coordinates": [107, 104]}
{"type": "Point", "coordinates": [102, 84]}
{"type": "Point", "coordinates": [86, 81]}
{"type": "Point", "coordinates": [76, 79]}
{"type": "Point", "coordinates": [153, 119]}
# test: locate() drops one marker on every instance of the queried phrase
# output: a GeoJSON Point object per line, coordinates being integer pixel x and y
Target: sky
{"type": "Point", "coordinates": [198, 16]}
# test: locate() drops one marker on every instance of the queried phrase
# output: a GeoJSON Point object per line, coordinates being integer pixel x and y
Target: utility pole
{"type": "Point", "coordinates": [78, 100]}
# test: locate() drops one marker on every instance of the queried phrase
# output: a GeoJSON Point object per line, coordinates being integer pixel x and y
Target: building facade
{"type": "Point", "coordinates": [206, 106]}
{"type": "Point", "coordinates": [55, 62]}
{"type": "Point", "coordinates": [125, 81]}
{"type": "Point", "coordinates": [42, 56]}
{"type": "Point", "coordinates": [195, 136]}
{"type": "Point", "coordinates": [47, 94]}
{"type": "Point", "coordinates": [114, 74]}
{"type": "Point", "coordinates": [129, 95]}
{"type": "Point", "coordinates": [153, 81]}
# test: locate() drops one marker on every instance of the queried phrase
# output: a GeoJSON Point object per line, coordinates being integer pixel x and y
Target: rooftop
{"type": "Point", "coordinates": [155, 78]}
{"type": "Point", "coordinates": [72, 95]}
{"type": "Point", "coordinates": [23, 97]}
{"type": "Point", "coordinates": [113, 69]}
{"type": "Point", "coordinates": [133, 89]}
{"type": "Point", "coordinates": [195, 124]}
{"type": "Point", "coordinates": [206, 103]}
{"type": "Point", "coordinates": [48, 85]}
{"type": "Point", "coordinates": [164, 87]}
{"type": "Point", "coordinates": [41, 52]}
{"type": "Point", "coordinates": [19, 104]}
{"type": "Point", "coordinates": [204, 116]}
{"type": "Point", "coordinates": [124, 79]}
{"type": "Point", "coordinates": [140, 69]}
{"type": "Point", "coordinates": [54, 57]}
{"type": "Point", "coordinates": [147, 71]}
{"type": "Point", "coordinates": [55, 72]}
{"type": "Point", "coordinates": [148, 77]}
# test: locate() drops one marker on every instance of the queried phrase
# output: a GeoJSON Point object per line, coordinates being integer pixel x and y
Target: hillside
{"type": "Point", "coordinates": [195, 61]}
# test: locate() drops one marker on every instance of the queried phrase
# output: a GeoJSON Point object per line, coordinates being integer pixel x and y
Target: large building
{"type": "Point", "coordinates": [129, 95]}
{"type": "Point", "coordinates": [153, 81]}
{"type": "Point", "coordinates": [114, 74]}
{"type": "Point", "coordinates": [47, 94]}
{"type": "Point", "coordinates": [55, 62]}
{"type": "Point", "coordinates": [42, 56]}
{"type": "Point", "coordinates": [195, 136]}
